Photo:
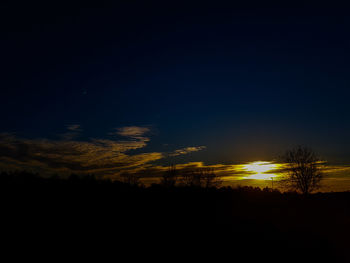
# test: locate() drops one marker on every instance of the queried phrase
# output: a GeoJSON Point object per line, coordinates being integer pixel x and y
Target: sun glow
{"type": "Point", "coordinates": [260, 170]}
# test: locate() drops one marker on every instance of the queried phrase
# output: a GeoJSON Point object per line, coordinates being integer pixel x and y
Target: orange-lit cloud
{"type": "Point", "coordinates": [187, 150]}
{"type": "Point", "coordinates": [132, 132]}
{"type": "Point", "coordinates": [104, 157]}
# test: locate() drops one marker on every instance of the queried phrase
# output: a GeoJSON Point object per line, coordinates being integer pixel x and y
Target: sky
{"type": "Point", "coordinates": [108, 87]}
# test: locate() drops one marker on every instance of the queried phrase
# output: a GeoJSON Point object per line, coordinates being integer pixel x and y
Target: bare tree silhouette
{"type": "Point", "coordinates": [169, 177]}
{"type": "Point", "coordinates": [191, 178]}
{"type": "Point", "coordinates": [210, 178]}
{"type": "Point", "coordinates": [303, 172]}
{"type": "Point", "coordinates": [131, 179]}
{"type": "Point", "coordinates": [201, 177]}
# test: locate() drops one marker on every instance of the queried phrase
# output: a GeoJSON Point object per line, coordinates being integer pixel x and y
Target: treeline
{"type": "Point", "coordinates": [196, 181]}
{"type": "Point", "coordinates": [199, 179]}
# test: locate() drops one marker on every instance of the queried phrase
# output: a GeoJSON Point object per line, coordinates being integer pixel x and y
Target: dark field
{"type": "Point", "coordinates": [51, 218]}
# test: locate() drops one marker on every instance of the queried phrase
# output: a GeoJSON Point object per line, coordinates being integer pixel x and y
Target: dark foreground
{"type": "Point", "coordinates": [75, 219]}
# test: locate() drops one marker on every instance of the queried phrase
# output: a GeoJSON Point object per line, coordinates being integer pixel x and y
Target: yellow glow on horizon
{"type": "Point", "coordinates": [260, 170]}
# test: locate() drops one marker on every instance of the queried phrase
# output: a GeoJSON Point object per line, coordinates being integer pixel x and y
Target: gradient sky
{"type": "Point", "coordinates": [235, 83]}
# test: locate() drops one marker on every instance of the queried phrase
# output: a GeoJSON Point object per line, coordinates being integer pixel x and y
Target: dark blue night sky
{"type": "Point", "coordinates": [245, 81]}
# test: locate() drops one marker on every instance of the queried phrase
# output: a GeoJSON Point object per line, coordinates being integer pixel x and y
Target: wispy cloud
{"type": "Point", "coordinates": [100, 156]}
{"type": "Point", "coordinates": [107, 157]}
{"type": "Point", "coordinates": [187, 150]}
{"type": "Point", "coordinates": [133, 132]}
{"type": "Point", "coordinates": [74, 127]}
{"type": "Point", "coordinates": [73, 131]}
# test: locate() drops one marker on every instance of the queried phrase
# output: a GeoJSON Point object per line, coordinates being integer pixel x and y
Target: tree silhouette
{"type": "Point", "coordinates": [169, 177]}
{"type": "Point", "coordinates": [303, 172]}
{"type": "Point", "coordinates": [191, 178]}
{"type": "Point", "coordinates": [131, 179]}
{"type": "Point", "coordinates": [210, 178]}
{"type": "Point", "coordinates": [201, 177]}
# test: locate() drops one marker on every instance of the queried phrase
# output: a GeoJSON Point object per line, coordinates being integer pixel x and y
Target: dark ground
{"type": "Point", "coordinates": [78, 219]}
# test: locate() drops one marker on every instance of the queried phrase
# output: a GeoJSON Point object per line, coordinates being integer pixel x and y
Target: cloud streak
{"type": "Point", "coordinates": [132, 132]}
{"type": "Point", "coordinates": [104, 157]}
{"type": "Point", "coordinates": [74, 127]}
{"type": "Point", "coordinates": [94, 156]}
{"type": "Point", "coordinates": [186, 150]}
{"type": "Point", "coordinates": [73, 131]}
